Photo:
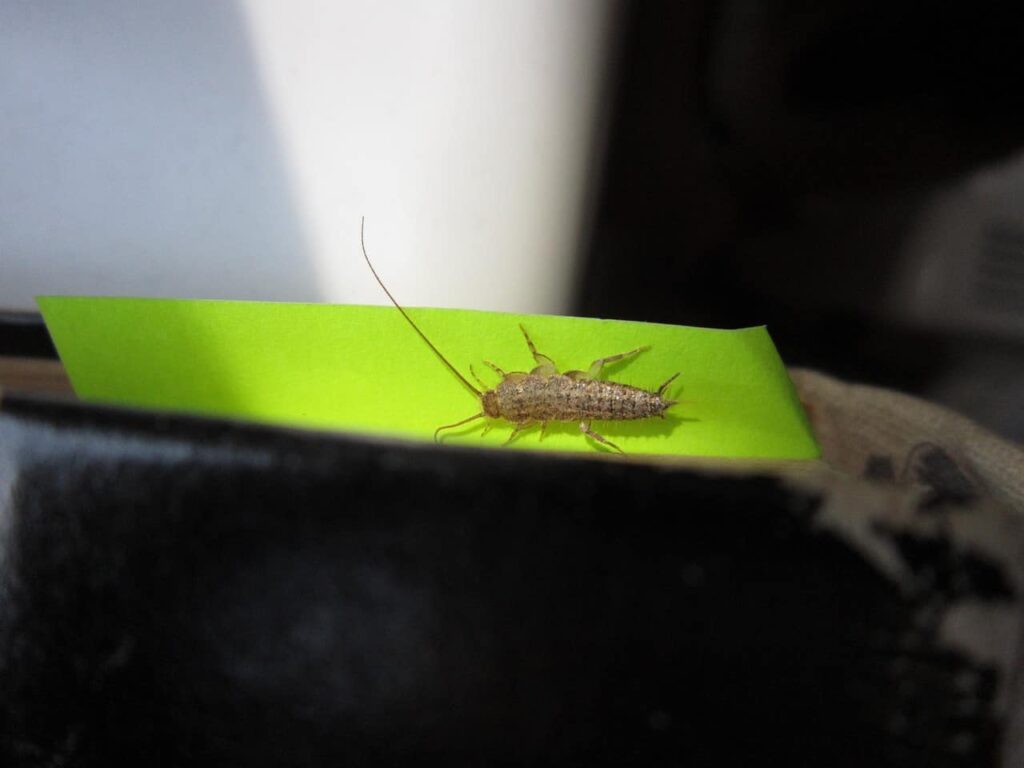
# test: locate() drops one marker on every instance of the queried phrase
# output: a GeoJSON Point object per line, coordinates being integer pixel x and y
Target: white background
{"type": "Point", "coordinates": [228, 149]}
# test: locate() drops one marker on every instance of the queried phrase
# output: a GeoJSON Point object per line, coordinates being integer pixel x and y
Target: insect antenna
{"type": "Point", "coordinates": [456, 424]}
{"type": "Point", "coordinates": [452, 368]}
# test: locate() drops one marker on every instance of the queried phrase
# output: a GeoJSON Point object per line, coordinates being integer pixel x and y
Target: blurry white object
{"type": "Point", "coordinates": [227, 150]}
{"type": "Point", "coordinates": [963, 263]}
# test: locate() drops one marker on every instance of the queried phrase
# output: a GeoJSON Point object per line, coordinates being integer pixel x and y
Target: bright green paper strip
{"type": "Point", "coordinates": [363, 369]}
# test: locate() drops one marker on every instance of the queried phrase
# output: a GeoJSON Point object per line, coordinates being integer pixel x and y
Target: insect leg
{"type": "Point", "coordinates": [545, 365]}
{"type": "Point", "coordinates": [478, 381]}
{"type": "Point", "coordinates": [543, 429]}
{"type": "Point", "coordinates": [586, 430]}
{"type": "Point", "coordinates": [663, 387]}
{"type": "Point", "coordinates": [597, 365]}
{"type": "Point", "coordinates": [495, 368]}
{"type": "Point", "coordinates": [519, 427]}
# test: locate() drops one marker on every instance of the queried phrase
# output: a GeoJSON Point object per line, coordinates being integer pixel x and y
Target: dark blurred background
{"type": "Point", "coordinates": [847, 172]}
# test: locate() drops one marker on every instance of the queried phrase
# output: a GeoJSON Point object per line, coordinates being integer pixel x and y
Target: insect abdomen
{"type": "Point", "coordinates": [564, 398]}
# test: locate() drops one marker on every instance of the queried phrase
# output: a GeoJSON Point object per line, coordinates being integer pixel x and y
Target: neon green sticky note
{"type": "Point", "coordinates": [363, 369]}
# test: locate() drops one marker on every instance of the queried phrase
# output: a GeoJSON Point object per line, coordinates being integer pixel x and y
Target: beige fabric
{"type": "Point", "coordinates": [886, 435]}
{"type": "Point", "coordinates": [21, 374]}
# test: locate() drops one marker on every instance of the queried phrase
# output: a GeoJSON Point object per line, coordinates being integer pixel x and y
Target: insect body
{"type": "Point", "coordinates": [544, 395]}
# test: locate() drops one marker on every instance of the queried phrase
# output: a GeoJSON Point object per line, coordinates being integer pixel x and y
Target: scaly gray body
{"type": "Point", "coordinates": [561, 397]}
{"type": "Point", "coordinates": [545, 395]}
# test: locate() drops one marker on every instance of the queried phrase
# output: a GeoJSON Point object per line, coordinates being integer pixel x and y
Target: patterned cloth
{"type": "Point", "coordinates": [888, 436]}
{"type": "Point", "coordinates": [958, 488]}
